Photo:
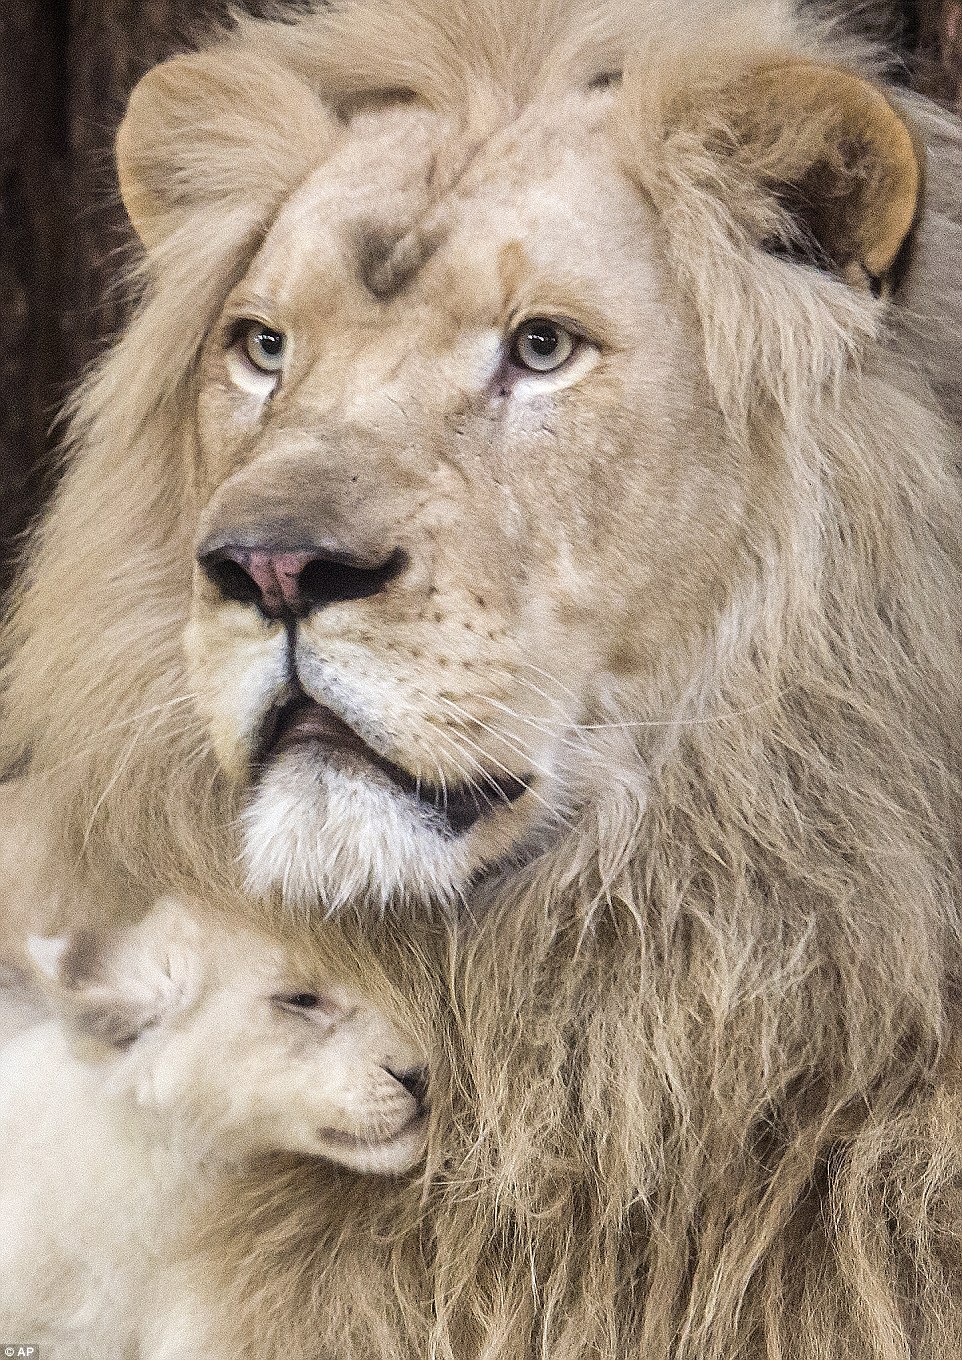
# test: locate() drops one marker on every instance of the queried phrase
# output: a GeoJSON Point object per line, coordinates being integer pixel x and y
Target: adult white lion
{"type": "Point", "coordinates": [520, 522]}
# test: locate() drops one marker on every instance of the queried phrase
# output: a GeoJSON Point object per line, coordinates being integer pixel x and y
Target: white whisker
{"type": "Point", "coordinates": [121, 766]}
{"type": "Point", "coordinates": [453, 752]}
{"type": "Point", "coordinates": [468, 719]}
{"type": "Point", "coordinates": [463, 737]}
{"type": "Point", "coordinates": [470, 780]}
{"type": "Point", "coordinates": [547, 724]}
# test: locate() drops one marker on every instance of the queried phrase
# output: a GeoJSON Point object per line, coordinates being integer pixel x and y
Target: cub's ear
{"type": "Point", "coordinates": [839, 161]}
{"type": "Point", "coordinates": [46, 953]}
{"type": "Point", "coordinates": [111, 985]}
{"type": "Point", "coordinates": [223, 129]}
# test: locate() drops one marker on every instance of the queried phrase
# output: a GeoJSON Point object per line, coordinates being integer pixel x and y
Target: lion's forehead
{"type": "Point", "coordinates": [410, 208]}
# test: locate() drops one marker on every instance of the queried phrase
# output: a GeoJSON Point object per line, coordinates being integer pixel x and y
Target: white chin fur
{"type": "Point", "coordinates": [328, 838]}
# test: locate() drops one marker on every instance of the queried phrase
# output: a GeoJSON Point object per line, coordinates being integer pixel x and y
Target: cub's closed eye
{"type": "Point", "coordinates": [297, 1001]}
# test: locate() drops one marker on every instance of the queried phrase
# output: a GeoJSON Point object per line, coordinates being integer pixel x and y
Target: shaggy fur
{"type": "Point", "coordinates": [695, 1079]}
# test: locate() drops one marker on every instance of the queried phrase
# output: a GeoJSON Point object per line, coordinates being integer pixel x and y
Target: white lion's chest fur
{"type": "Point", "coordinates": [91, 1204]}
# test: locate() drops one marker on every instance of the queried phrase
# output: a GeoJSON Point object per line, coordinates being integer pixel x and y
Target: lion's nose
{"type": "Point", "coordinates": [290, 583]}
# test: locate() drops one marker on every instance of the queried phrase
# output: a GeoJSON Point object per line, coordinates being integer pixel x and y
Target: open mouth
{"type": "Point", "coordinates": [303, 721]}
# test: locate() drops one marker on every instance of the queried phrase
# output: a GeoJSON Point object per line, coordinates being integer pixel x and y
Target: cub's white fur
{"type": "Point", "coordinates": [177, 1050]}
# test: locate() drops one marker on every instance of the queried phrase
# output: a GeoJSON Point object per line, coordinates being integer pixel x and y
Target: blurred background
{"type": "Point", "coordinates": [66, 69]}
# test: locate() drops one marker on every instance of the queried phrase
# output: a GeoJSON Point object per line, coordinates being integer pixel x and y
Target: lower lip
{"type": "Point", "coordinates": [315, 723]}
{"type": "Point", "coordinates": [308, 722]}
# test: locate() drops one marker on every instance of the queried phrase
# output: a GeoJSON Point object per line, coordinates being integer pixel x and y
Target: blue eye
{"type": "Point", "coordinates": [541, 345]}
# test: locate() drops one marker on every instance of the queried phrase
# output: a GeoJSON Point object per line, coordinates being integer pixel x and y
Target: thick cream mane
{"type": "Point", "coordinates": [697, 1090]}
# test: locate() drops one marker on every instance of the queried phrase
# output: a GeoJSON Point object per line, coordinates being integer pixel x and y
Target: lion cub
{"type": "Point", "coordinates": [178, 1049]}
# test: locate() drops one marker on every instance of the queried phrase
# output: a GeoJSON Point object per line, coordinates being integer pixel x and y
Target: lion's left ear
{"type": "Point", "coordinates": [839, 161]}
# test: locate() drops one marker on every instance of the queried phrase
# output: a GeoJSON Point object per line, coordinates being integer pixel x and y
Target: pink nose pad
{"type": "Point", "coordinates": [276, 575]}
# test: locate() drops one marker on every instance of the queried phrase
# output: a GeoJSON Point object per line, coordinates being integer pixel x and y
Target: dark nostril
{"type": "Point", "coordinates": [230, 578]}
{"type": "Point", "coordinates": [414, 1081]}
{"type": "Point", "coordinates": [333, 577]}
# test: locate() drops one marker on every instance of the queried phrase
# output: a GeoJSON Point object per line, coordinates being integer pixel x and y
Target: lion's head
{"type": "Point", "coordinates": [454, 454]}
{"type": "Point", "coordinates": [512, 494]}
{"type": "Point", "coordinates": [473, 464]}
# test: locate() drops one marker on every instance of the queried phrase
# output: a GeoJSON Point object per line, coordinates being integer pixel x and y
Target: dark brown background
{"type": "Point", "coordinates": [66, 68]}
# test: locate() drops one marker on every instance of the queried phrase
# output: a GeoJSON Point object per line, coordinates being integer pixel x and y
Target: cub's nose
{"type": "Point", "coordinates": [290, 583]}
{"type": "Point", "coordinates": [414, 1081]}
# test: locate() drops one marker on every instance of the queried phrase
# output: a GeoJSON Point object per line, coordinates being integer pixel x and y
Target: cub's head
{"type": "Point", "coordinates": [486, 401]}
{"type": "Point", "coordinates": [242, 1047]}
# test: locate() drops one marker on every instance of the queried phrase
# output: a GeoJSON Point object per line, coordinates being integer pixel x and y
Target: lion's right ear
{"type": "Point", "coordinates": [225, 129]}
